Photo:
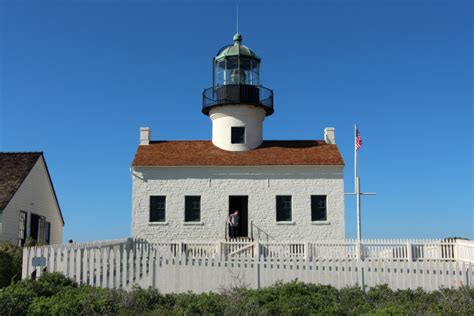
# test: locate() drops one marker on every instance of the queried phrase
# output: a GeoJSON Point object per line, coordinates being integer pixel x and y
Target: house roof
{"type": "Point", "coordinates": [204, 153]}
{"type": "Point", "coordinates": [14, 168]}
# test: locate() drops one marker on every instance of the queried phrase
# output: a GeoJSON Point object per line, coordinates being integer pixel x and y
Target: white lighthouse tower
{"type": "Point", "coordinates": [236, 103]}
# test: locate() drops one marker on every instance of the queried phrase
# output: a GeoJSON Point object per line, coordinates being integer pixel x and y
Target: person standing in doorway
{"type": "Point", "coordinates": [233, 221]}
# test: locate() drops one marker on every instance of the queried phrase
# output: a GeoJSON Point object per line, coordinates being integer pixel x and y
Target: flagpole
{"type": "Point", "coordinates": [357, 187]}
{"type": "Point", "coordinates": [355, 156]}
{"type": "Point", "coordinates": [358, 194]}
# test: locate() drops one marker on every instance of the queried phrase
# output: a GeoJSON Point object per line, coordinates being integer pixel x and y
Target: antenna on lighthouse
{"type": "Point", "coordinates": [237, 16]}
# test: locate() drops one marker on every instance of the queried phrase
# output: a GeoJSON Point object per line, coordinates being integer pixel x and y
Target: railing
{"type": "Point", "coordinates": [71, 257]}
{"type": "Point", "coordinates": [206, 266]}
{"type": "Point", "coordinates": [465, 250]}
{"type": "Point", "coordinates": [237, 94]}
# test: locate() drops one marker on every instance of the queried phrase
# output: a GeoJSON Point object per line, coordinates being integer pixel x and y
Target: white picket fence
{"type": "Point", "coordinates": [206, 266]}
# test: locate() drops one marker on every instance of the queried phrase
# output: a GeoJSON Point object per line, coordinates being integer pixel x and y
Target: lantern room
{"type": "Point", "coordinates": [236, 64]}
{"type": "Point", "coordinates": [236, 79]}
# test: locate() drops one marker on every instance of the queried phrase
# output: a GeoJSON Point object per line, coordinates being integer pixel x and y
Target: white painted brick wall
{"type": "Point", "coordinates": [260, 184]}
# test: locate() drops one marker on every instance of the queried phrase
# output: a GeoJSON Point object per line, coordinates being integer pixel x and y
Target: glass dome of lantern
{"type": "Point", "coordinates": [236, 64]}
{"type": "Point", "coordinates": [236, 79]}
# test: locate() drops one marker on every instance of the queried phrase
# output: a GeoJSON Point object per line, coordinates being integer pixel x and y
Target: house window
{"type": "Point", "coordinates": [238, 135]}
{"type": "Point", "coordinates": [37, 223]}
{"type": "Point", "coordinates": [318, 208]}
{"type": "Point", "coordinates": [41, 227]}
{"type": "Point", "coordinates": [283, 208]}
{"type": "Point", "coordinates": [47, 233]}
{"type": "Point", "coordinates": [192, 211]}
{"type": "Point", "coordinates": [157, 208]}
{"type": "Point", "coordinates": [22, 228]}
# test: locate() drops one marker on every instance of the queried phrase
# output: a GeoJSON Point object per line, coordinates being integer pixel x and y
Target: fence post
{"type": "Point", "coordinates": [24, 270]}
{"type": "Point", "coordinates": [219, 250]}
{"type": "Point", "coordinates": [409, 252]}
{"type": "Point", "coordinates": [307, 251]}
{"type": "Point", "coordinates": [455, 250]}
{"type": "Point", "coordinates": [361, 274]}
{"type": "Point", "coordinates": [257, 265]}
{"type": "Point", "coordinates": [251, 230]}
{"type": "Point", "coordinates": [358, 251]}
{"type": "Point", "coordinates": [468, 275]}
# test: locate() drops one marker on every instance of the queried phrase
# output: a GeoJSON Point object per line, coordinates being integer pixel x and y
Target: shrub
{"type": "Point", "coordinates": [10, 263]}
{"type": "Point", "coordinates": [76, 301]}
{"type": "Point", "coordinates": [53, 294]}
{"type": "Point", "coordinates": [144, 300]}
{"type": "Point", "coordinates": [202, 304]}
{"type": "Point", "coordinates": [16, 299]}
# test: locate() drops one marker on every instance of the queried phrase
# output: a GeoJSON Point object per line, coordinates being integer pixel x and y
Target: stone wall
{"type": "Point", "coordinates": [260, 184]}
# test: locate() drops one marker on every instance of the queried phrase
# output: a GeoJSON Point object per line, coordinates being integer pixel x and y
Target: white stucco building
{"type": "Point", "coordinates": [28, 203]}
{"type": "Point", "coordinates": [283, 189]}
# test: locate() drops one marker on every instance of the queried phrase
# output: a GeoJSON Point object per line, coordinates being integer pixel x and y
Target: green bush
{"type": "Point", "coordinates": [53, 294]}
{"type": "Point", "coordinates": [10, 263]}
{"type": "Point", "coordinates": [84, 300]}
{"type": "Point", "coordinates": [16, 299]}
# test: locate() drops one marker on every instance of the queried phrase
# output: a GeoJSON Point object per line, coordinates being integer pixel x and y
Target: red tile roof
{"type": "Point", "coordinates": [204, 153]}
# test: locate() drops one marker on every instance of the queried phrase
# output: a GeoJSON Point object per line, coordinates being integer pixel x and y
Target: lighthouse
{"type": "Point", "coordinates": [284, 190]}
{"type": "Point", "coordinates": [237, 103]}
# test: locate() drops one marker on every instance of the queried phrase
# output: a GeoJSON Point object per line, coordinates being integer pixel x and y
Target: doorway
{"type": "Point", "coordinates": [240, 203]}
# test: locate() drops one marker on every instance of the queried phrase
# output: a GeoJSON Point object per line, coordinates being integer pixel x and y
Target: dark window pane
{"type": "Point", "coordinates": [47, 232]}
{"type": "Point", "coordinates": [22, 228]}
{"type": "Point", "coordinates": [318, 208]}
{"type": "Point", "coordinates": [157, 208]}
{"type": "Point", "coordinates": [192, 211]}
{"type": "Point", "coordinates": [34, 223]}
{"type": "Point", "coordinates": [283, 206]}
{"type": "Point", "coordinates": [238, 135]}
{"type": "Point", "coordinates": [41, 224]}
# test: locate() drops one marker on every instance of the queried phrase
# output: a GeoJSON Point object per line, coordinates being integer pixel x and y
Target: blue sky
{"type": "Point", "coordinates": [78, 79]}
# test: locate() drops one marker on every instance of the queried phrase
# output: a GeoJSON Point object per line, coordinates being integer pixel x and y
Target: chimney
{"type": "Point", "coordinates": [144, 135]}
{"type": "Point", "coordinates": [329, 136]}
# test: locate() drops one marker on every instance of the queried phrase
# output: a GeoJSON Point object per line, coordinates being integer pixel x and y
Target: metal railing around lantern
{"type": "Point", "coordinates": [237, 94]}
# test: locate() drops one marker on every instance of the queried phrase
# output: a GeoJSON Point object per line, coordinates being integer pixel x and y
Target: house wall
{"type": "Point", "coordinates": [260, 184]}
{"type": "Point", "coordinates": [35, 195]}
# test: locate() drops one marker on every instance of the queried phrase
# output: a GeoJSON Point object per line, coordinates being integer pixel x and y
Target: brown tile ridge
{"type": "Point", "coordinates": [232, 166]}
{"type": "Point", "coordinates": [210, 141]}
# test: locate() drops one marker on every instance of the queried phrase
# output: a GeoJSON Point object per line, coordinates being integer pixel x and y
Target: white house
{"type": "Point", "coordinates": [283, 189]}
{"type": "Point", "coordinates": [28, 202]}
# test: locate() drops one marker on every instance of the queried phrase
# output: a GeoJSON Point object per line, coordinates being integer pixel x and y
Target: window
{"type": "Point", "coordinates": [157, 208]}
{"type": "Point", "coordinates": [47, 232]}
{"type": "Point", "coordinates": [192, 212]}
{"type": "Point", "coordinates": [22, 228]}
{"type": "Point", "coordinates": [41, 225]}
{"type": "Point", "coordinates": [34, 219]}
{"type": "Point", "coordinates": [318, 208]}
{"type": "Point", "coordinates": [238, 135]}
{"type": "Point", "coordinates": [283, 208]}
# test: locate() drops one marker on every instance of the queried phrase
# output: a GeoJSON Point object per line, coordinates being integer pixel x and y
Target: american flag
{"type": "Point", "coordinates": [358, 140]}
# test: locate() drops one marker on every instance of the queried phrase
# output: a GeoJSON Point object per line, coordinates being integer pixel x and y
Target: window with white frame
{"type": "Point", "coordinates": [283, 208]}
{"type": "Point", "coordinates": [318, 208]}
{"type": "Point", "coordinates": [157, 208]}
{"type": "Point", "coordinates": [192, 211]}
